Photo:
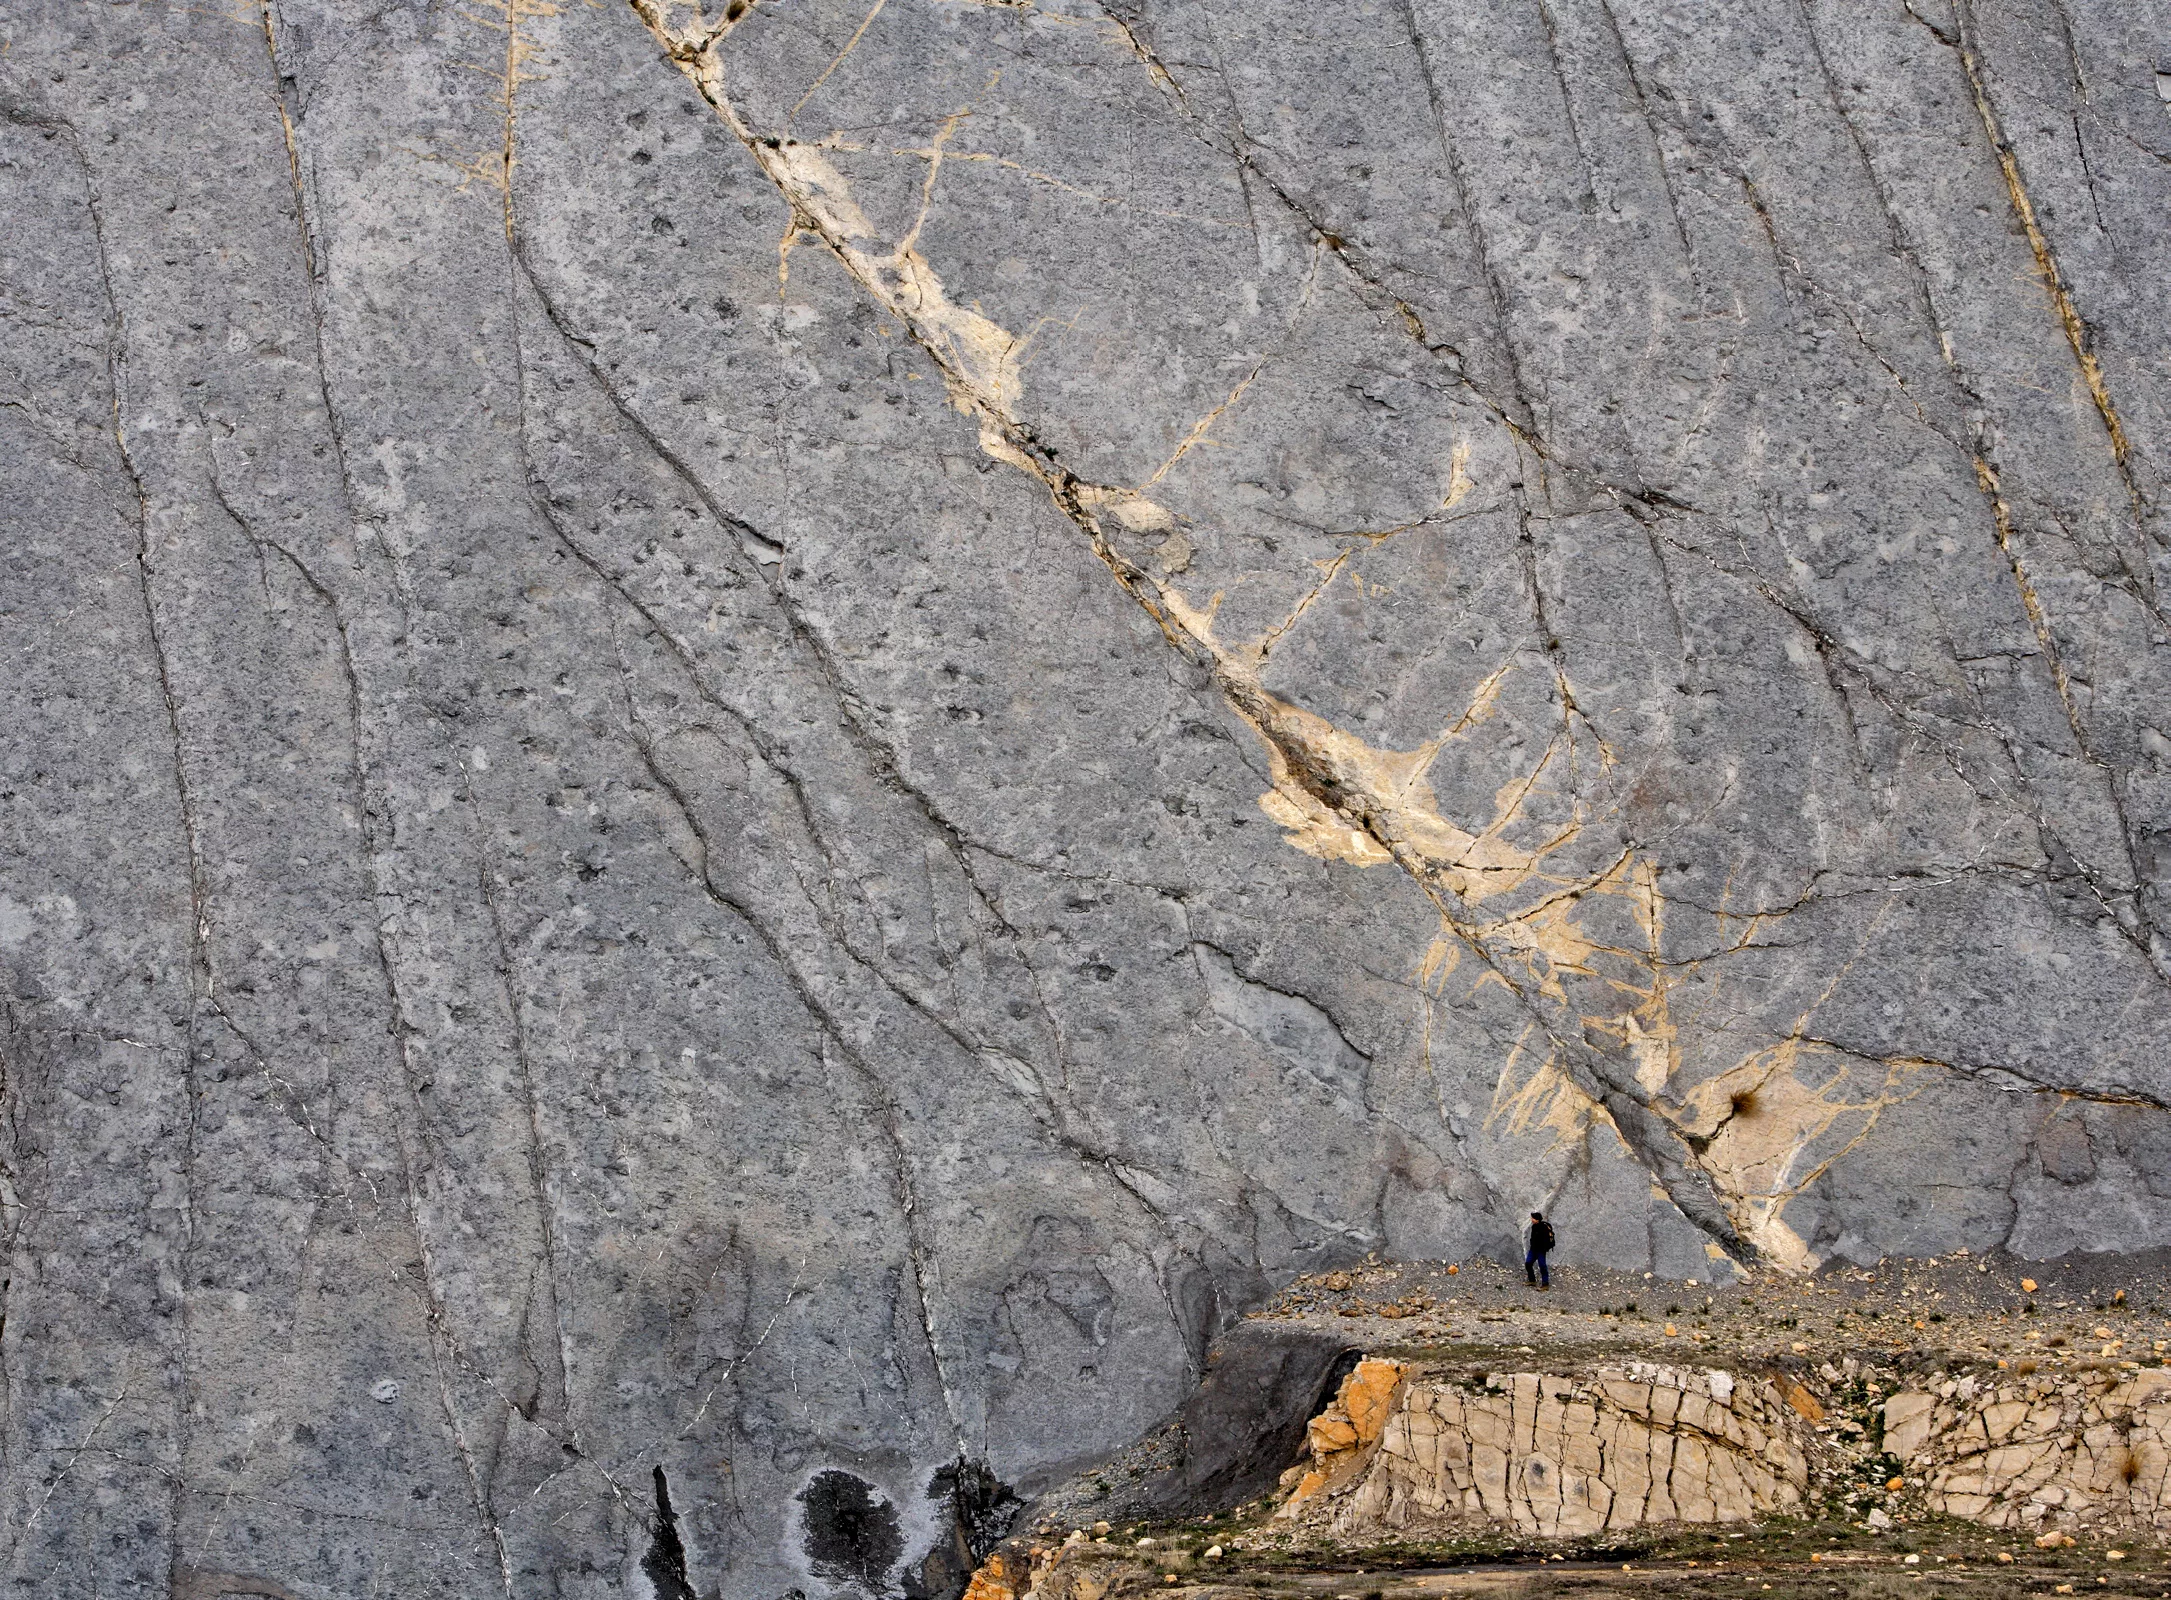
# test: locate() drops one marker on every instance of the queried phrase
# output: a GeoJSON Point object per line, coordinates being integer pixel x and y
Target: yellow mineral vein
{"type": "Point", "coordinates": [2046, 266]}
{"type": "Point", "coordinates": [837, 61]}
{"type": "Point", "coordinates": [1335, 796]}
{"type": "Point", "coordinates": [1547, 1100]}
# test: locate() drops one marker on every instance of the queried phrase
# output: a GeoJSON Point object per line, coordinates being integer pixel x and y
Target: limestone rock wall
{"type": "Point", "coordinates": [747, 749]}
{"type": "Point", "coordinates": [2046, 1450]}
{"type": "Point", "coordinates": [1554, 1455]}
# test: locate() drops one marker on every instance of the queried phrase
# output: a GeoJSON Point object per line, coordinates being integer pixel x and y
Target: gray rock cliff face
{"type": "Point", "coordinates": [749, 754]}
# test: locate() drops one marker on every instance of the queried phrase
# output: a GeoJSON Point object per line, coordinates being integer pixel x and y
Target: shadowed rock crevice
{"type": "Point", "coordinates": [850, 1532]}
{"type": "Point", "coordinates": [1245, 1424]}
{"type": "Point", "coordinates": [665, 1562]}
{"type": "Point", "coordinates": [973, 1511]}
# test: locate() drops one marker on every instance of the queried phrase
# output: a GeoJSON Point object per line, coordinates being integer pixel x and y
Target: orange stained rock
{"type": "Point", "coordinates": [1329, 1434]}
{"type": "Point", "coordinates": [1307, 1486]}
{"type": "Point", "coordinates": [992, 1581]}
{"type": "Point", "coordinates": [1368, 1394]}
{"type": "Point", "coordinates": [1353, 1419]}
{"type": "Point", "coordinates": [1804, 1403]}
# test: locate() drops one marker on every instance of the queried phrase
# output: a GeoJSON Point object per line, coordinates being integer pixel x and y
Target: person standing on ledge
{"type": "Point", "coordinates": [1541, 1240]}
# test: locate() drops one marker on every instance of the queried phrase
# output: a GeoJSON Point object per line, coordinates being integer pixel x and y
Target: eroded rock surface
{"type": "Point", "coordinates": [2042, 1449]}
{"type": "Point", "coordinates": [748, 752]}
{"type": "Point", "coordinates": [1555, 1455]}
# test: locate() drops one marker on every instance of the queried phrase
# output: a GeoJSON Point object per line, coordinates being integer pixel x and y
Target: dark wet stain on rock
{"type": "Point", "coordinates": [665, 1562]}
{"type": "Point", "coordinates": [980, 1508]}
{"type": "Point", "coordinates": [852, 1534]}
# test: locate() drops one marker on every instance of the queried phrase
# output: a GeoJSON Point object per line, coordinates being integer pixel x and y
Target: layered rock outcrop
{"type": "Point", "coordinates": [2042, 1450]}
{"type": "Point", "coordinates": [1554, 1455]}
{"type": "Point", "coordinates": [1579, 1455]}
{"type": "Point", "coordinates": [747, 749]}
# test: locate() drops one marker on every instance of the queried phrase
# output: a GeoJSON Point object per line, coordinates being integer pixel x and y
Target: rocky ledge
{"type": "Point", "coordinates": [1430, 1427]}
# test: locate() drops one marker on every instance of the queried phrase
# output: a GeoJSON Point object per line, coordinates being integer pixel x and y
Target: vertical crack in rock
{"type": "Point", "coordinates": [372, 809]}
{"type": "Point", "coordinates": [2120, 903]}
{"type": "Point", "coordinates": [492, 166]}
{"type": "Point", "coordinates": [283, 99]}
{"type": "Point", "coordinates": [880, 758]}
{"type": "Point", "coordinates": [443, 1340]}
{"type": "Point", "coordinates": [665, 1562]}
{"type": "Point", "coordinates": [201, 985]}
{"type": "Point", "coordinates": [560, 1407]}
{"type": "Point", "coordinates": [2046, 260]}
{"type": "Point", "coordinates": [803, 984]}
{"type": "Point", "coordinates": [1792, 268]}
{"type": "Point", "coordinates": [290, 1097]}
{"type": "Point", "coordinates": [543, 1195]}
{"type": "Point", "coordinates": [1634, 74]}
{"type": "Point", "coordinates": [2136, 582]}
{"type": "Point", "coordinates": [1238, 148]}
{"type": "Point", "coordinates": [1523, 415]}
{"type": "Point", "coordinates": [2126, 908]}
{"type": "Point", "coordinates": [1057, 1116]}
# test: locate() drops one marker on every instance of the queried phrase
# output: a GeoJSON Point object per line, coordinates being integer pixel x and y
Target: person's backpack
{"type": "Point", "coordinates": [1541, 1237]}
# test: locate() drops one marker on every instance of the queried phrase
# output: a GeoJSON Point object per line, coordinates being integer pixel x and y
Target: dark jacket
{"type": "Point", "coordinates": [1541, 1237]}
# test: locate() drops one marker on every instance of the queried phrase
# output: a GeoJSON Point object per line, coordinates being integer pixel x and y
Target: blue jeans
{"type": "Point", "coordinates": [1534, 1269]}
